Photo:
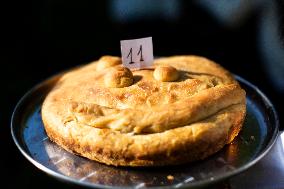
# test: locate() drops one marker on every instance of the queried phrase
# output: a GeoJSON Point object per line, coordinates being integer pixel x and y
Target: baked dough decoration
{"type": "Point", "coordinates": [183, 109]}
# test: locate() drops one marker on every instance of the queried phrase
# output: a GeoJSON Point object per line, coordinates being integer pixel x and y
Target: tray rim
{"type": "Point", "coordinates": [21, 145]}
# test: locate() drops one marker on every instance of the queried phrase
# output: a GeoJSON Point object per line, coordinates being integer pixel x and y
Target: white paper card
{"type": "Point", "coordinates": [137, 53]}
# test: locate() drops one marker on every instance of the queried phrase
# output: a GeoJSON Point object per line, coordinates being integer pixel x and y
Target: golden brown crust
{"type": "Point", "coordinates": [149, 123]}
{"type": "Point", "coordinates": [165, 73]}
{"type": "Point", "coordinates": [107, 62]}
{"type": "Point", "coordinates": [118, 77]}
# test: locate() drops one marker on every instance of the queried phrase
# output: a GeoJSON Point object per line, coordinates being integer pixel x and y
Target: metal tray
{"type": "Point", "coordinates": [254, 141]}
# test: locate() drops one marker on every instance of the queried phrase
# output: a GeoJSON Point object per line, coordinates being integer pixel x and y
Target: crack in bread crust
{"type": "Point", "coordinates": [192, 109]}
{"type": "Point", "coordinates": [149, 123]}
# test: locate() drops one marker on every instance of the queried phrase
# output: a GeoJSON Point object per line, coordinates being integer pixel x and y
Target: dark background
{"type": "Point", "coordinates": [46, 37]}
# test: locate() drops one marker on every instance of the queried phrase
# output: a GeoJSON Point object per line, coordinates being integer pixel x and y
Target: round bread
{"type": "Point", "coordinates": [183, 109]}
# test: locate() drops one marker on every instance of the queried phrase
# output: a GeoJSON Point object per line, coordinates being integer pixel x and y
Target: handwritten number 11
{"type": "Point", "coordinates": [139, 52]}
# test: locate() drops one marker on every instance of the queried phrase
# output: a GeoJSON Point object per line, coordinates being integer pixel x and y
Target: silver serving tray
{"type": "Point", "coordinates": [254, 141]}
